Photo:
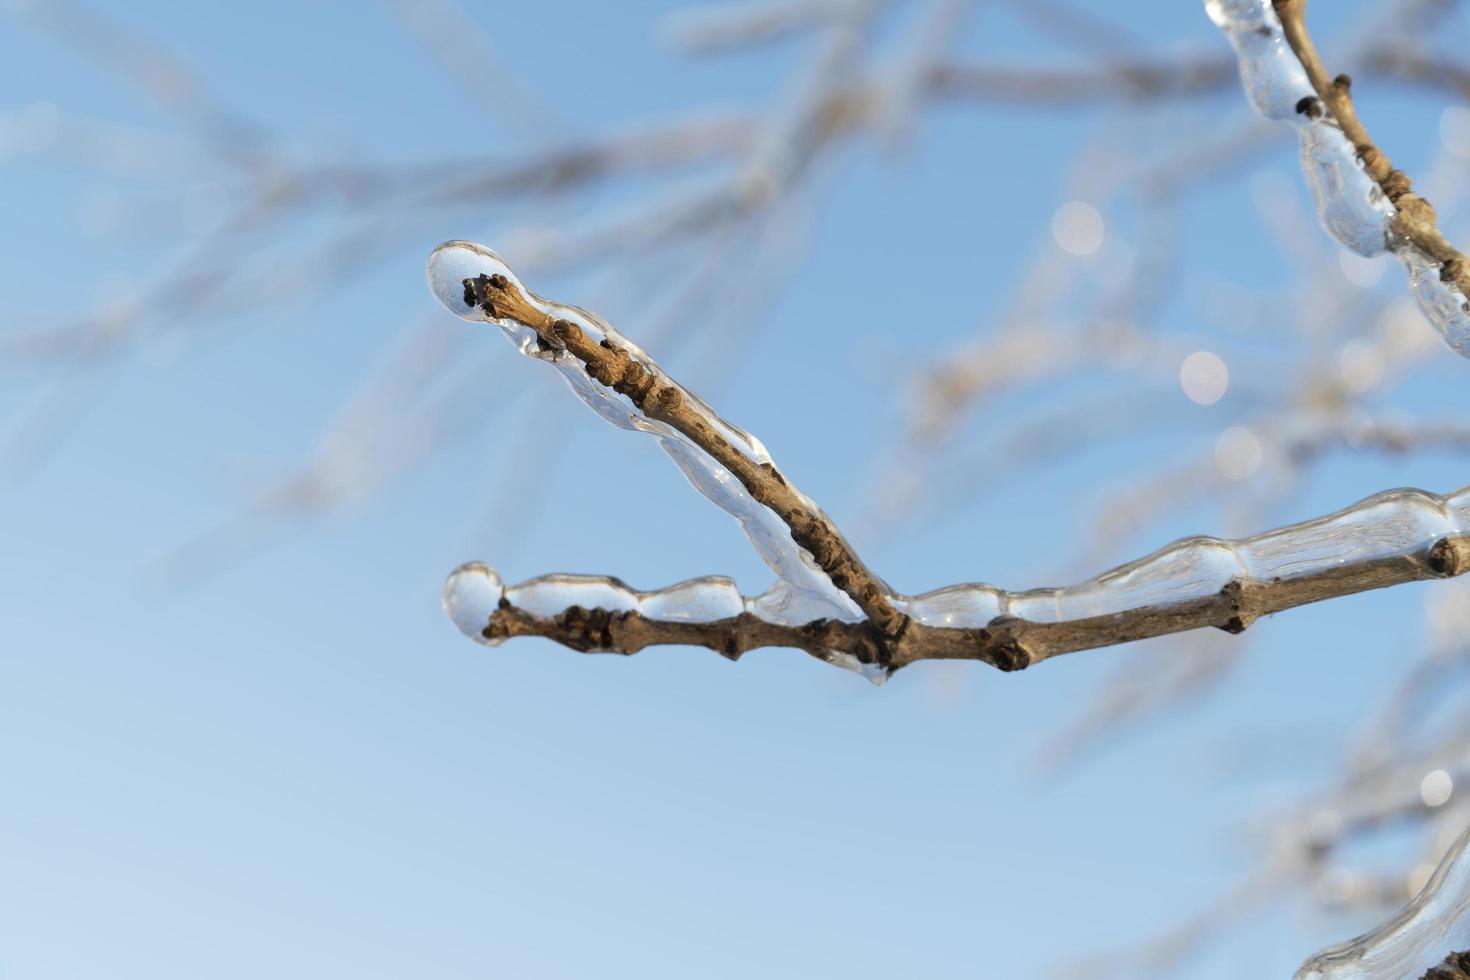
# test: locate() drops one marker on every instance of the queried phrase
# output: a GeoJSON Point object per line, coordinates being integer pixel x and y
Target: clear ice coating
{"type": "Point", "coordinates": [1442, 303]}
{"type": "Point", "coordinates": [1403, 525]}
{"type": "Point", "coordinates": [1435, 924]}
{"type": "Point", "coordinates": [473, 592]}
{"type": "Point", "coordinates": [803, 592]}
{"type": "Point", "coordinates": [1351, 206]}
{"type": "Point", "coordinates": [1396, 524]}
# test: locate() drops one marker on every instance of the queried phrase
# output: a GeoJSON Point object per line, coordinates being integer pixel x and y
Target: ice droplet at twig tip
{"type": "Point", "coordinates": [472, 593]}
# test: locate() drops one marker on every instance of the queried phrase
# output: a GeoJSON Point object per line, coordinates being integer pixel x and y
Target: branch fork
{"type": "Point", "coordinates": [1193, 583]}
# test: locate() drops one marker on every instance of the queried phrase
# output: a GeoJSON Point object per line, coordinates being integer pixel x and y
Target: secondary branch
{"type": "Point", "coordinates": [1415, 221]}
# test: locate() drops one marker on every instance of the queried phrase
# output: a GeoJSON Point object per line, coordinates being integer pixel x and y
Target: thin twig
{"type": "Point", "coordinates": [1415, 220]}
{"type": "Point", "coordinates": [612, 366]}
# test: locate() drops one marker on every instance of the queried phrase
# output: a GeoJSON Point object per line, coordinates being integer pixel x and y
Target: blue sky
{"type": "Point", "coordinates": [296, 767]}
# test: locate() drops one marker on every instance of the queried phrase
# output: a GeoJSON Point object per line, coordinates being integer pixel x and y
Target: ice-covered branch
{"type": "Point", "coordinates": [604, 365]}
{"type": "Point", "coordinates": [593, 614]}
{"type": "Point", "coordinates": [1414, 942]}
{"type": "Point", "coordinates": [826, 600]}
{"type": "Point", "coordinates": [1364, 202]}
{"type": "Point", "coordinates": [1391, 538]}
{"type": "Point", "coordinates": [1415, 221]}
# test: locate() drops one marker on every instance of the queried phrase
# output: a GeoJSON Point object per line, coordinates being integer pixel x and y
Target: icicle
{"type": "Point", "coordinates": [1435, 924]}
{"type": "Point", "coordinates": [1351, 206]}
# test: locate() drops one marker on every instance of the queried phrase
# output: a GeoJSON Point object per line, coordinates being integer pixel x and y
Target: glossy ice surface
{"type": "Point", "coordinates": [1395, 524]}
{"type": "Point", "coordinates": [802, 592]}
{"type": "Point", "coordinates": [1435, 924]}
{"type": "Point", "coordinates": [1351, 206]}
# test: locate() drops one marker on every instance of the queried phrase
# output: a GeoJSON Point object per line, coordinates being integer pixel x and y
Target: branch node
{"type": "Point", "coordinates": [1235, 625]}
{"type": "Point", "coordinates": [1396, 184]}
{"type": "Point", "coordinates": [1000, 647]}
{"type": "Point", "coordinates": [1010, 656]}
{"type": "Point", "coordinates": [1449, 557]}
